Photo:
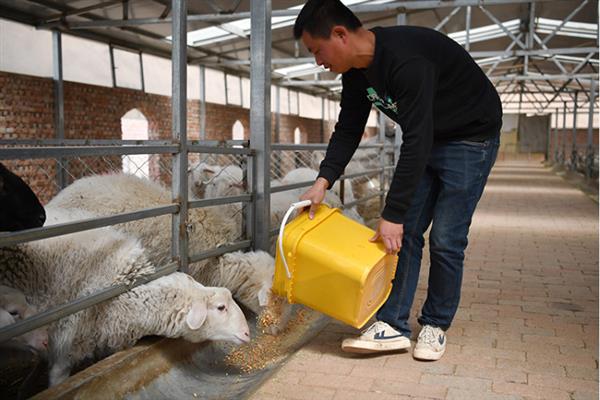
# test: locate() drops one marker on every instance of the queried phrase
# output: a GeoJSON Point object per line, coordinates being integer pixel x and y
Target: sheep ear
{"type": "Point", "coordinates": [197, 315]}
{"type": "Point", "coordinates": [263, 296]}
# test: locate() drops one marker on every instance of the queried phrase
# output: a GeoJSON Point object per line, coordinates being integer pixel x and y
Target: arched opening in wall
{"type": "Point", "coordinates": [134, 126]}
{"type": "Point", "coordinates": [297, 136]}
{"type": "Point", "coordinates": [237, 131]}
{"type": "Point", "coordinates": [301, 158]}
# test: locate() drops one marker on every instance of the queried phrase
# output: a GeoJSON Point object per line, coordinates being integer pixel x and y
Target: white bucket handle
{"type": "Point", "coordinates": [293, 207]}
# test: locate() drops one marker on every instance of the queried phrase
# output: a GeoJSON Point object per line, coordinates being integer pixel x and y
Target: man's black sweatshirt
{"type": "Point", "coordinates": [427, 83]}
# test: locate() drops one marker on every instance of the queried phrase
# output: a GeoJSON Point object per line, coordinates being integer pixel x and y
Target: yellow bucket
{"type": "Point", "coordinates": [333, 268]}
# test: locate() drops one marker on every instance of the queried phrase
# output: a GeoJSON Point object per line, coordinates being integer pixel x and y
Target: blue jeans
{"type": "Point", "coordinates": [446, 197]}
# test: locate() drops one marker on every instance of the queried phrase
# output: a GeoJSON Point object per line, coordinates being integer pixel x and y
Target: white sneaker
{"type": "Point", "coordinates": [378, 337]}
{"type": "Point", "coordinates": [431, 344]}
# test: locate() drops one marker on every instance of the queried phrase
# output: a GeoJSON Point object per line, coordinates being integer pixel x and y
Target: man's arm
{"type": "Point", "coordinates": [354, 112]}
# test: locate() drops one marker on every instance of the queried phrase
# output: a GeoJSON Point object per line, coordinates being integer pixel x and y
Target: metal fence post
{"type": "Point", "coordinates": [179, 109]}
{"type": "Point", "coordinates": [59, 104]}
{"type": "Point", "coordinates": [260, 118]}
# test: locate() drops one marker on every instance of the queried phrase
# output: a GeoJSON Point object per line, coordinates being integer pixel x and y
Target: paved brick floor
{"type": "Point", "coordinates": [527, 327]}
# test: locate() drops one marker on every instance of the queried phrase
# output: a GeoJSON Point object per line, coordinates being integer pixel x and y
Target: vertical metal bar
{"type": "Point", "coordinates": [226, 91]}
{"type": "Point", "coordinates": [563, 134]}
{"type": "Point", "coordinates": [277, 114]}
{"type": "Point", "coordinates": [468, 29]}
{"type": "Point", "coordinates": [179, 109]}
{"type": "Point", "coordinates": [260, 117]}
{"type": "Point", "coordinates": [529, 39]}
{"type": "Point", "coordinates": [59, 104]}
{"type": "Point", "coordinates": [112, 65]}
{"type": "Point", "coordinates": [548, 155]}
{"type": "Point", "coordinates": [202, 135]}
{"type": "Point", "coordinates": [556, 136]}
{"type": "Point", "coordinates": [142, 72]}
{"type": "Point", "coordinates": [574, 136]}
{"type": "Point", "coordinates": [241, 92]}
{"type": "Point", "coordinates": [382, 159]}
{"type": "Point", "coordinates": [322, 139]}
{"type": "Point", "coordinates": [590, 131]}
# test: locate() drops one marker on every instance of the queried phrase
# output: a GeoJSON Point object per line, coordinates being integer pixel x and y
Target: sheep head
{"type": "Point", "coordinates": [214, 315]}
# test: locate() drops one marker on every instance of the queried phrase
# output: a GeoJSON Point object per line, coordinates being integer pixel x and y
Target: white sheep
{"type": "Point", "coordinates": [209, 228]}
{"type": "Point", "coordinates": [208, 181]}
{"type": "Point", "coordinates": [14, 307]}
{"type": "Point", "coordinates": [172, 306]}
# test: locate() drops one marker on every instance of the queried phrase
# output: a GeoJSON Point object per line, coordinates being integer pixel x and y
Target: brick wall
{"type": "Point", "coordinates": [94, 112]}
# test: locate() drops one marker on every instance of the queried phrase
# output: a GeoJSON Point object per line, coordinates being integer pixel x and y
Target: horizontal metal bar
{"type": "Point", "coordinates": [474, 54]}
{"type": "Point", "coordinates": [80, 142]}
{"type": "Point", "coordinates": [363, 199]}
{"type": "Point", "coordinates": [28, 235]}
{"type": "Point", "coordinates": [538, 52]}
{"type": "Point", "coordinates": [324, 82]}
{"type": "Point", "coordinates": [291, 186]}
{"type": "Point", "coordinates": [542, 77]}
{"type": "Point", "coordinates": [245, 198]}
{"type": "Point", "coordinates": [366, 172]}
{"type": "Point", "coordinates": [406, 5]}
{"type": "Point", "coordinates": [284, 188]}
{"type": "Point", "coordinates": [317, 146]}
{"type": "Point", "coordinates": [74, 306]}
{"type": "Point", "coordinates": [244, 244]}
{"type": "Point", "coordinates": [81, 151]}
{"type": "Point", "coordinates": [196, 148]}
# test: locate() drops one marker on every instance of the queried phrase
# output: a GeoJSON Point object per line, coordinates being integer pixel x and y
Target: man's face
{"type": "Point", "coordinates": [331, 53]}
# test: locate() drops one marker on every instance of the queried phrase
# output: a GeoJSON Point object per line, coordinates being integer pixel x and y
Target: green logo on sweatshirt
{"type": "Point", "coordinates": [384, 105]}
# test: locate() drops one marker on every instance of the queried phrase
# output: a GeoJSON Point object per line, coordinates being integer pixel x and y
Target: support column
{"type": "Point", "coordinates": [556, 136]}
{"type": "Point", "coordinates": [563, 134]}
{"type": "Point", "coordinates": [468, 29]}
{"type": "Point", "coordinates": [574, 138]}
{"type": "Point", "coordinates": [179, 109]}
{"type": "Point", "coordinates": [589, 164]}
{"type": "Point", "coordinates": [59, 105]}
{"type": "Point", "coordinates": [260, 119]}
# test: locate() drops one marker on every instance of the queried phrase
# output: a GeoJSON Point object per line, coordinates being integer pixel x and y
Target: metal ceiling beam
{"type": "Point", "coordinates": [474, 54]}
{"type": "Point", "coordinates": [406, 5]}
{"type": "Point", "coordinates": [569, 17]}
{"type": "Point", "coordinates": [80, 11]}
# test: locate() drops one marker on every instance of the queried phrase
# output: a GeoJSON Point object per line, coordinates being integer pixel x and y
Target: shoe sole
{"type": "Point", "coordinates": [368, 347]}
{"type": "Point", "coordinates": [428, 355]}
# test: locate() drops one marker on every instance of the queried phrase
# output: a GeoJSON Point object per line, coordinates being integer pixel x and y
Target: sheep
{"type": "Point", "coordinates": [14, 307]}
{"type": "Point", "coordinates": [207, 181]}
{"type": "Point", "coordinates": [173, 306]}
{"type": "Point", "coordinates": [308, 174]}
{"type": "Point", "coordinates": [209, 227]}
{"type": "Point", "coordinates": [19, 206]}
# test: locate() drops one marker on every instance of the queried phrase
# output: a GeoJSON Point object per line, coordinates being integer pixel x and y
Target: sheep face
{"type": "Point", "coordinates": [19, 206]}
{"type": "Point", "coordinates": [216, 317]}
{"type": "Point", "coordinates": [207, 181]}
{"type": "Point", "coordinates": [38, 338]}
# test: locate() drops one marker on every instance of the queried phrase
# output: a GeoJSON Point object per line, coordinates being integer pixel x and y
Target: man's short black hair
{"type": "Point", "coordinates": [317, 17]}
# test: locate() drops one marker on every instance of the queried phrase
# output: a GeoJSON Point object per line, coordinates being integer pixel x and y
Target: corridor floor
{"type": "Point", "coordinates": [527, 326]}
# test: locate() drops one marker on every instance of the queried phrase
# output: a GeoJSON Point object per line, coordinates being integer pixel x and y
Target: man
{"type": "Point", "coordinates": [450, 115]}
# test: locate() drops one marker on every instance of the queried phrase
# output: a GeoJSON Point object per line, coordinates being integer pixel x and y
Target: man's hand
{"type": "Point", "coordinates": [315, 194]}
{"type": "Point", "coordinates": [390, 234]}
